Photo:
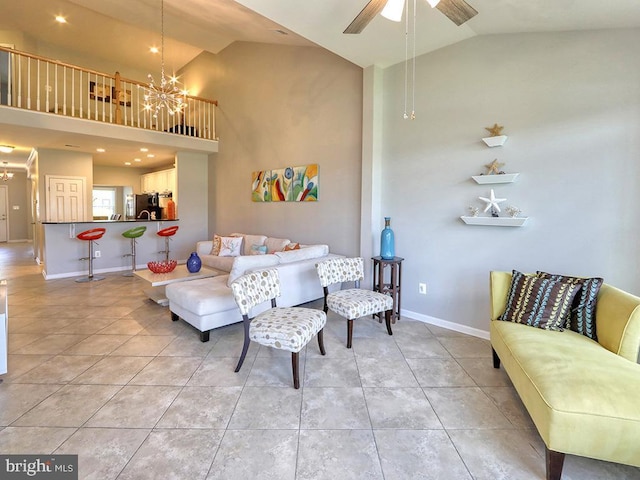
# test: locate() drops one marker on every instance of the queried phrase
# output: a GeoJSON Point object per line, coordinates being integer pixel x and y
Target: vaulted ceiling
{"type": "Point", "coordinates": [121, 31]}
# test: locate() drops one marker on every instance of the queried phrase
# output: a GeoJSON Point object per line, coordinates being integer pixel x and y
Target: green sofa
{"type": "Point", "coordinates": [583, 395]}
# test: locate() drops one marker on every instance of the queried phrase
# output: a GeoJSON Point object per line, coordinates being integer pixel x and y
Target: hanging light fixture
{"type": "Point", "coordinates": [6, 175]}
{"type": "Point", "coordinates": [393, 11]}
{"type": "Point", "coordinates": [166, 95]}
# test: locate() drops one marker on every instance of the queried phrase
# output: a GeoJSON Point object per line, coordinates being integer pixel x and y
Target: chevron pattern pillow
{"type": "Point", "coordinates": [538, 302]}
{"type": "Point", "coordinates": [583, 310]}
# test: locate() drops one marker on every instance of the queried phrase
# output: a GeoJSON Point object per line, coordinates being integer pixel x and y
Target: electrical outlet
{"type": "Point", "coordinates": [97, 253]}
{"type": "Point", "coordinates": [422, 288]}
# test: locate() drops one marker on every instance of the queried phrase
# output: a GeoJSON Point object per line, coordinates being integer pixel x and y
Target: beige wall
{"type": "Point", "coordinates": [19, 225]}
{"type": "Point", "coordinates": [58, 162]}
{"type": "Point", "coordinates": [118, 176]}
{"type": "Point", "coordinates": [284, 106]}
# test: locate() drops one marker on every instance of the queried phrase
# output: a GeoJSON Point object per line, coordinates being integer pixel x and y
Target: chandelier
{"type": "Point", "coordinates": [166, 95]}
{"type": "Point", "coordinates": [6, 175]}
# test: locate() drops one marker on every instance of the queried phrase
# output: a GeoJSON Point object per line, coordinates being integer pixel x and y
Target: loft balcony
{"type": "Point", "coordinates": [30, 83]}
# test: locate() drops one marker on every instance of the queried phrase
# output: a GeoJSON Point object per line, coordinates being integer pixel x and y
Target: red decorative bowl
{"type": "Point", "coordinates": [163, 266]}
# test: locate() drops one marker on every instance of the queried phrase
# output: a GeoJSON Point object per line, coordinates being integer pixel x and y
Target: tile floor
{"type": "Point", "coordinates": [98, 370]}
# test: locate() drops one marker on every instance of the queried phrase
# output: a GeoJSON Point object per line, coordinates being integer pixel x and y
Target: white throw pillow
{"type": "Point", "coordinates": [230, 246]}
{"type": "Point", "coordinates": [276, 244]}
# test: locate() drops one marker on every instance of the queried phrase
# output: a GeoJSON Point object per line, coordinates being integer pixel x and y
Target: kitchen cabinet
{"type": "Point", "coordinates": [161, 181]}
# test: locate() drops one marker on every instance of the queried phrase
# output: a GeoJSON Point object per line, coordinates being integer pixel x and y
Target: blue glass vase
{"type": "Point", "coordinates": [387, 242]}
{"type": "Point", "coordinates": [194, 263]}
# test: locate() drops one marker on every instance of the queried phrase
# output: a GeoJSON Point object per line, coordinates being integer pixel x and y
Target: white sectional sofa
{"type": "Point", "coordinates": [208, 303]}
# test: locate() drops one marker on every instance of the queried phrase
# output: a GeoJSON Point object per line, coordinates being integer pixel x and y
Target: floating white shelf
{"type": "Point", "coordinates": [499, 178]}
{"type": "Point", "coordinates": [495, 141]}
{"type": "Point", "coordinates": [495, 221]}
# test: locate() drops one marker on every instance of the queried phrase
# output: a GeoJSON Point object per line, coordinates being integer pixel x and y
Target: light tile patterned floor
{"type": "Point", "coordinates": [98, 370]}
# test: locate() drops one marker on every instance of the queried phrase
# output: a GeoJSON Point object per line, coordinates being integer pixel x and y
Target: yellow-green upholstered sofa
{"type": "Point", "coordinates": [583, 395]}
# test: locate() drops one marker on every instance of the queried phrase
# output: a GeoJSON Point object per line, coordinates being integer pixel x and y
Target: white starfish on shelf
{"type": "Point", "coordinates": [492, 201]}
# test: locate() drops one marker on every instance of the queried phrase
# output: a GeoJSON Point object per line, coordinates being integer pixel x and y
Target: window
{"type": "Point", "coordinates": [104, 203]}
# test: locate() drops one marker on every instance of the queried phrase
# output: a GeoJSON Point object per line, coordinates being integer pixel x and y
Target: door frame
{"type": "Point", "coordinates": [5, 189]}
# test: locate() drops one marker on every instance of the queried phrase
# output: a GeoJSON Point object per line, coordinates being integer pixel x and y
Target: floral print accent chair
{"type": "Point", "coordinates": [352, 303]}
{"type": "Point", "coordinates": [283, 328]}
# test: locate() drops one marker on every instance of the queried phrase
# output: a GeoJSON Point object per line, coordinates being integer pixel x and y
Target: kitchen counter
{"type": "Point", "coordinates": [132, 220]}
{"type": "Point", "coordinates": [62, 250]}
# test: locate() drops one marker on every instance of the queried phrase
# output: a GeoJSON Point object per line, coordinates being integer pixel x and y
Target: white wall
{"type": "Point", "coordinates": [570, 106]}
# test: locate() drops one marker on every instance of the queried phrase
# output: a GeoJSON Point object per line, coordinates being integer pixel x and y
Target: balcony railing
{"type": "Point", "coordinates": [35, 83]}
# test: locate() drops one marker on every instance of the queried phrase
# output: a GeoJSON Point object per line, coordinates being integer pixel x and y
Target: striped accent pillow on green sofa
{"type": "Point", "coordinates": [539, 302]}
{"type": "Point", "coordinates": [583, 310]}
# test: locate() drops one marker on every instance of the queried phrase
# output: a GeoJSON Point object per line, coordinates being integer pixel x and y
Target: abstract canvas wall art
{"type": "Point", "coordinates": [289, 184]}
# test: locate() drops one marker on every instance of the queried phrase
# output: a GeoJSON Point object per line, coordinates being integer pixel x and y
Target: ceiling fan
{"type": "Point", "coordinates": [458, 12]}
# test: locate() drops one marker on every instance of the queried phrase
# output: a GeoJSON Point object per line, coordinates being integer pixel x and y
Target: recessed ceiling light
{"type": "Point", "coordinates": [151, 155]}
{"type": "Point", "coordinates": [144, 149]}
{"type": "Point", "coordinates": [100, 150]}
{"type": "Point", "coordinates": [154, 49]}
{"type": "Point", "coordinates": [137, 159]}
{"type": "Point", "coordinates": [6, 148]}
{"type": "Point", "coordinates": [60, 19]}
{"type": "Point", "coordinates": [127, 163]}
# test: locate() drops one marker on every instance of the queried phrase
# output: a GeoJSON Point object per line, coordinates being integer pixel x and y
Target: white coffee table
{"type": "Point", "coordinates": [179, 274]}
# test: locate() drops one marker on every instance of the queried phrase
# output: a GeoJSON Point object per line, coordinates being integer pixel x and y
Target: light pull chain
{"type": "Point", "coordinates": [412, 116]}
{"type": "Point", "coordinates": [406, 58]}
{"type": "Point", "coordinates": [413, 80]}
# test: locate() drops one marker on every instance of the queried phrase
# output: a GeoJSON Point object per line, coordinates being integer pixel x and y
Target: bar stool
{"type": "Point", "coordinates": [133, 233]}
{"type": "Point", "coordinates": [90, 236]}
{"type": "Point", "coordinates": [167, 233]}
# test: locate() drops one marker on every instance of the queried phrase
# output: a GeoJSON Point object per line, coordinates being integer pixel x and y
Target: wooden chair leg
{"type": "Point", "coordinates": [245, 346]}
{"type": "Point", "coordinates": [294, 365]}
{"type": "Point", "coordinates": [496, 359]}
{"type": "Point", "coordinates": [349, 332]}
{"type": "Point", "coordinates": [555, 462]}
{"type": "Point", "coordinates": [387, 319]}
{"type": "Point", "coordinates": [321, 341]}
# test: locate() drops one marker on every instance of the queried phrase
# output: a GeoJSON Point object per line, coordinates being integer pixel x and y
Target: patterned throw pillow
{"type": "Point", "coordinates": [230, 246]}
{"type": "Point", "coordinates": [291, 246]}
{"type": "Point", "coordinates": [538, 302]}
{"type": "Point", "coordinates": [258, 249]}
{"type": "Point", "coordinates": [215, 249]}
{"type": "Point", "coordinates": [583, 310]}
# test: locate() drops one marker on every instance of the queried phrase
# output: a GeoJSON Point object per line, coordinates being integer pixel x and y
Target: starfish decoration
{"type": "Point", "coordinates": [492, 201]}
{"type": "Point", "coordinates": [494, 167]}
{"type": "Point", "coordinates": [495, 131]}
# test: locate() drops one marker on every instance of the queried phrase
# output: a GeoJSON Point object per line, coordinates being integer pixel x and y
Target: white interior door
{"type": "Point", "coordinates": [4, 222]}
{"type": "Point", "coordinates": [65, 199]}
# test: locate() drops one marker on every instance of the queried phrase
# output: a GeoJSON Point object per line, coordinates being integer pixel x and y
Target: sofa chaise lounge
{"type": "Point", "coordinates": [581, 394]}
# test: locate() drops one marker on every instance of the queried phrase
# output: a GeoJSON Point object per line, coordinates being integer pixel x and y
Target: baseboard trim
{"type": "Point", "coordinates": [438, 322]}
{"type": "Point", "coordinates": [82, 273]}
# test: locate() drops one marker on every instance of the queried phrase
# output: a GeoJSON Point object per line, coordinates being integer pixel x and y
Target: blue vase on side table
{"type": "Point", "coordinates": [194, 263]}
{"type": "Point", "coordinates": [387, 241]}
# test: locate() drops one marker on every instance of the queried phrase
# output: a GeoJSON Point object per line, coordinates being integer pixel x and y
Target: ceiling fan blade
{"type": "Point", "coordinates": [458, 11]}
{"type": "Point", "coordinates": [370, 10]}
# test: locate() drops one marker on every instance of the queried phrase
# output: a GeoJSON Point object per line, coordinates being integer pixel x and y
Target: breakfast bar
{"type": "Point", "coordinates": [63, 252]}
